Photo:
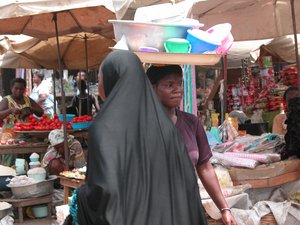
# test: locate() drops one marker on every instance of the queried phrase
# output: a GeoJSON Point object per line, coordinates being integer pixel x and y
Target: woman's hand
{"type": "Point", "coordinates": [25, 112]}
{"type": "Point", "coordinates": [228, 218]}
{"type": "Point", "coordinates": [15, 111]}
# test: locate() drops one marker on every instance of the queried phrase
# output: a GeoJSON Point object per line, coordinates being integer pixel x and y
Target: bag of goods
{"type": "Point", "coordinates": [21, 181]}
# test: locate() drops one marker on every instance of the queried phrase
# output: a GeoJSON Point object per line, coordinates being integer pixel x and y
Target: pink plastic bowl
{"type": "Point", "coordinates": [226, 45]}
{"type": "Point", "coordinates": [221, 32]}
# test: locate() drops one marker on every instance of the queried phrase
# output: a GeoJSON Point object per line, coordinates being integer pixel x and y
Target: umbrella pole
{"type": "Point", "coordinates": [296, 42]}
{"type": "Point", "coordinates": [54, 94]}
{"type": "Point", "coordinates": [63, 96]}
{"type": "Point", "coordinates": [87, 76]}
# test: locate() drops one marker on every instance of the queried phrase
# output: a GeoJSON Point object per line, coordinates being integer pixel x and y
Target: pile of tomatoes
{"type": "Point", "coordinates": [42, 124]}
{"type": "Point", "coordinates": [81, 119]}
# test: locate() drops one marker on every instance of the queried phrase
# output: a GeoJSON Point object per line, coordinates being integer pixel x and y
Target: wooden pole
{"type": "Point", "coordinates": [63, 96]}
{"type": "Point", "coordinates": [296, 42]}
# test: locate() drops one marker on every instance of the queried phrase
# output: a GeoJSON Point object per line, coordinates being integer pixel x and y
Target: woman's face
{"type": "Point", "coordinates": [18, 90]}
{"type": "Point", "coordinates": [170, 90]}
{"type": "Point", "coordinates": [60, 148]}
{"type": "Point", "coordinates": [36, 79]}
{"type": "Point", "coordinates": [100, 86]}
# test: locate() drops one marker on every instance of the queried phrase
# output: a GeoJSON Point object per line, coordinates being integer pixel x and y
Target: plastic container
{"type": "Point", "coordinates": [38, 176]}
{"type": "Point", "coordinates": [4, 209]}
{"type": "Point", "coordinates": [177, 45]}
{"type": "Point", "coordinates": [40, 211]}
{"type": "Point", "coordinates": [69, 117]}
{"type": "Point", "coordinates": [202, 41]}
{"type": "Point", "coordinates": [82, 125]}
{"type": "Point", "coordinates": [34, 159]}
{"type": "Point", "coordinates": [34, 165]}
{"type": "Point", "coordinates": [148, 49]}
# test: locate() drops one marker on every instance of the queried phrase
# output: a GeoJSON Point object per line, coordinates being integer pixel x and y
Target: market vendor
{"type": "Point", "coordinates": [54, 159]}
{"type": "Point", "coordinates": [16, 108]}
{"type": "Point", "coordinates": [167, 81]}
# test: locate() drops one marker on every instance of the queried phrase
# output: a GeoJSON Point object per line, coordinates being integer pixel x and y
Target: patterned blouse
{"type": "Point", "coordinates": [77, 159]}
{"type": "Point", "coordinates": [11, 119]}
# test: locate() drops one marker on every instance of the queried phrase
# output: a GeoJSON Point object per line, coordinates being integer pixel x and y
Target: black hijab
{"type": "Point", "coordinates": [139, 172]}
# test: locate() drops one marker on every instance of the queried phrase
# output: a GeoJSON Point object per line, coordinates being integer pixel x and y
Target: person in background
{"type": "Point", "coordinates": [138, 171]}
{"type": "Point", "coordinates": [40, 94]}
{"type": "Point", "coordinates": [279, 126]}
{"type": "Point", "coordinates": [167, 82]}
{"type": "Point", "coordinates": [16, 108]}
{"type": "Point", "coordinates": [54, 159]}
{"type": "Point", "coordinates": [81, 76]}
{"type": "Point", "coordinates": [83, 103]}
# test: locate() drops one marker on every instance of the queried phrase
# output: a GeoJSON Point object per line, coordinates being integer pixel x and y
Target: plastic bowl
{"type": "Point", "coordinates": [34, 190]}
{"type": "Point", "coordinates": [40, 211]}
{"type": "Point", "coordinates": [222, 33]}
{"type": "Point", "coordinates": [34, 159]}
{"type": "Point", "coordinates": [177, 45]}
{"type": "Point", "coordinates": [226, 45]}
{"type": "Point", "coordinates": [82, 125]}
{"type": "Point", "coordinates": [202, 41]}
{"type": "Point", "coordinates": [68, 116]}
{"type": "Point", "coordinates": [38, 176]}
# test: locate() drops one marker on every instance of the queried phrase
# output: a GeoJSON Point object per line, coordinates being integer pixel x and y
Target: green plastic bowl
{"type": "Point", "coordinates": [40, 211]}
{"type": "Point", "coordinates": [177, 45]}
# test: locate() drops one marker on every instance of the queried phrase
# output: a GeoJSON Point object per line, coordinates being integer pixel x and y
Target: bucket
{"type": "Point", "coordinates": [201, 41]}
{"type": "Point", "coordinates": [177, 45]}
{"type": "Point", "coordinates": [40, 211]}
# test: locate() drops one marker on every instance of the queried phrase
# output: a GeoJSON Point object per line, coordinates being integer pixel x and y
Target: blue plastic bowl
{"type": "Point", "coordinates": [68, 116]}
{"type": "Point", "coordinates": [82, 125]}
{"type": "Point", "coordinates": [200, 42]}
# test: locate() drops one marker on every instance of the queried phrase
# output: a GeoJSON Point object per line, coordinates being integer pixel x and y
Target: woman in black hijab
{"type": "Point", "coordinates": [139, 172]}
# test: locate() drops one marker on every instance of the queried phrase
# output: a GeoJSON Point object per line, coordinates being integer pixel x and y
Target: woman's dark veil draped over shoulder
{"type": "Point", "coordinates": [139, 172]}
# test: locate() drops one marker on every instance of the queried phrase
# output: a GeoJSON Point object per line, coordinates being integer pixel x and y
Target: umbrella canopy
{"type": "Point", "coordinates": [11, 46]}
{"type": "Point", "coordinates": [76, 50]}
{"type": "Point", "coordinates": [35, 17]}
{"type": "Point", "coordinates": [250, 19]}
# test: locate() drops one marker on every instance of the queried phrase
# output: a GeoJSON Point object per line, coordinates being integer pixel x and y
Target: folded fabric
{"type": "Point", "coordinates": [228, 160]}
{"type": "Point", "coordinates": [263, 158]}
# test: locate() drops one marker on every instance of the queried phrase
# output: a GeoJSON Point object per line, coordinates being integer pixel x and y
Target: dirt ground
{"type": "Point", "coordinates": [38, 222]}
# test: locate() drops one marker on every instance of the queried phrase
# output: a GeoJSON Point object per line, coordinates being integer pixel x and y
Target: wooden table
{"type": "Point", "coordinates": [20, 203]}
{"type": "Point", "coordinates": [82, 133]}
{"type": "Point", "coordinates": [24, 149]}
{"type": "Point", "coordinates": [69, 183]}
{"type": "Point", "coordinates": [267, 175]}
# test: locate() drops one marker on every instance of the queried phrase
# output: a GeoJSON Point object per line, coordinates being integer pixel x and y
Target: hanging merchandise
{"type": "Point", "coordinates": [288, 76]}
